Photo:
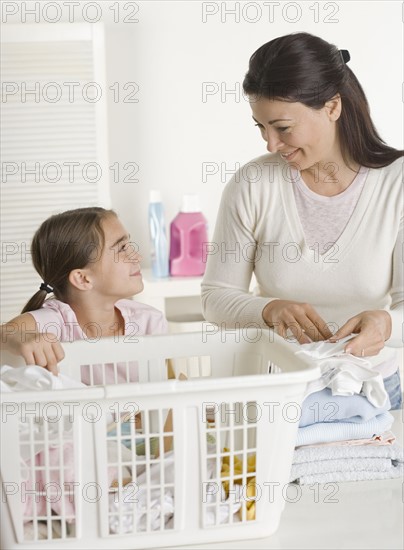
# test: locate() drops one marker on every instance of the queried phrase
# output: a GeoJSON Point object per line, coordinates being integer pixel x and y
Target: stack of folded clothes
{"type": "Point", "coordinates": [344, 430]}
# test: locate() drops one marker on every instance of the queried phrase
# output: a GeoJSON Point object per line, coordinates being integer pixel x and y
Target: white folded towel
{"type": "Point", "coordinates": [324, 464]}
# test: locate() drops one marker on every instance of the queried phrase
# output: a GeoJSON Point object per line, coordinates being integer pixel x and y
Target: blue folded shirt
{"type": "Point", "coordinates": [339, 431]}
{"type": "Point", "coordinates": [322, 406]}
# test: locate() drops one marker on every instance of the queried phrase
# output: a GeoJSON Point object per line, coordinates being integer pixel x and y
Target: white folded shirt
{"type": "Point", "coordinates": [343, 373]}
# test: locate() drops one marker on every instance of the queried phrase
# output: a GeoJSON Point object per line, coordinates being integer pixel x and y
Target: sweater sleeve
{"type": "Point", "coordinates": [396, 308]}
{"type": "Point", "coordinates": [230, 261]}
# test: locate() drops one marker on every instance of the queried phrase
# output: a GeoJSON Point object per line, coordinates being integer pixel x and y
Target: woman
{"type": "Point", "coordinates": [319, 220]}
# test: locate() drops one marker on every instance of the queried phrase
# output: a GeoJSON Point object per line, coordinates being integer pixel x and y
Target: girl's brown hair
{"type": "Point", "coordinates": [66, 241]}
{"type": "Point", "coordinates": [305, 68]}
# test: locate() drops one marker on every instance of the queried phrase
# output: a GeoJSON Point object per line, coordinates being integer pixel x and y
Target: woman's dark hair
{"type": "Point", "coordinates": [66, 241]}
{"type": "Point", "coordinates": [305, 68]}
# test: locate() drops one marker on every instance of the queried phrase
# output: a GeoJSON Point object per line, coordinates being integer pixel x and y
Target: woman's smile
{"type": "Point", "coordinates": [290, 155]}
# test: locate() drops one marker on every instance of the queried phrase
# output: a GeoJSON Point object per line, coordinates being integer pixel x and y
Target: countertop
{"type": "Point", "coordinates": [349, 515]}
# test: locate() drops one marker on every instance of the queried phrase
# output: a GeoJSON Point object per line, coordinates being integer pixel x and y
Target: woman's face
{"type": "Point", "coordinates": [302, 135]}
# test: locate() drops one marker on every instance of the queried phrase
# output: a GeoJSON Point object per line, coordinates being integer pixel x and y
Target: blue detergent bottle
{"type": "Point", "coordinates": [158, 237]}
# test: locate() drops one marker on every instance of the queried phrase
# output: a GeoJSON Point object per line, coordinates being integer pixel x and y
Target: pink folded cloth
{"type": "Point", "coordinates": [386, 438]}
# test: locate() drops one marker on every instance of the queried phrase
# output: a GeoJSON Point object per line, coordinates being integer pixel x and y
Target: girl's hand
{"type": "Point", "coordinates": [302, 319]}
{"type": "Point", "coordinates": [373, 327]}
{"type": "Point", "coordinates": [36, 348]}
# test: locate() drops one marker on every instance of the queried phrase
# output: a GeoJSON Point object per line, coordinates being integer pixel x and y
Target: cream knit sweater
{"type": "Point", "coordinates": [258, 230]}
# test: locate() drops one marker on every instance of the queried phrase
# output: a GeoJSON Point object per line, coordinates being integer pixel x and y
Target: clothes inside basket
{"type": "Point", "coordinates": [130, 436]}
{"type": "Point", "coordinates": [154, 508]}
{"type": "Point", "coordinates": [44, 532]}
{"type": "Point", "coordinates": [140, 461]}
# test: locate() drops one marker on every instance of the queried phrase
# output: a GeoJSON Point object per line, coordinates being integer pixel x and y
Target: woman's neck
{"type": "Point", "coordinates": [330, 178]}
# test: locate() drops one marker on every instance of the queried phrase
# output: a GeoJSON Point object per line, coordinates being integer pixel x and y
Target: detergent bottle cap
{"type": "Point", "coordinates": [155, 196]}
{"type": "Point", "coordinates": [190, 203]}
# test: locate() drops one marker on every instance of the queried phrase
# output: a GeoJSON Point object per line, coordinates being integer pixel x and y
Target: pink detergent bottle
{"type": "Point", "coordinates": [188, 239]}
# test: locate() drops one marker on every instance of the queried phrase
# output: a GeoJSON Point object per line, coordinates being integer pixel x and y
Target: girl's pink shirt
{"type": "Point", "coordinates": [58, 318]}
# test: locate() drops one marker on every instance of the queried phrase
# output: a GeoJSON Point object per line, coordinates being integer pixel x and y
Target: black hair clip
{"type": "Point", "coordinates": [345, 55]}
{"type": "Point", "coordinates": [47, 288]}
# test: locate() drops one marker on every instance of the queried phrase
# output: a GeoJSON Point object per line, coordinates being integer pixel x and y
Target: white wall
{"type": "Point", "coordinates": [170, 52]}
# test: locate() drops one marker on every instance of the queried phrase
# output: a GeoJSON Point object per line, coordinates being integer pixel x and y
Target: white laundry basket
{"type": "Point", "coordinates": [205, 459]}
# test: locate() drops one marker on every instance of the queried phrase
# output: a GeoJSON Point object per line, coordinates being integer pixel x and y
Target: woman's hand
{"type": "Point", "coordinates": [36, 348]}
{"type": "Point", "coordinates": [373, 329]}
{"type": "Point", "coordinates": [302, 319]}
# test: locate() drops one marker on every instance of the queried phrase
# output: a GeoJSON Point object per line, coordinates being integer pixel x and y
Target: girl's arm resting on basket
{"type": "Point", "coordinates": [21, 337]}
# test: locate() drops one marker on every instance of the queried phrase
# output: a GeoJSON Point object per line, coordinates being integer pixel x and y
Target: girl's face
{"type": "Point", "coordinates": [116, 273]}
{"type": "Point", "coordinates": [300, 134]}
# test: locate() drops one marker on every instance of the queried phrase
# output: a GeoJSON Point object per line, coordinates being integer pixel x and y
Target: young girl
{"type": "Point", "coordinates": [86, 260]}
